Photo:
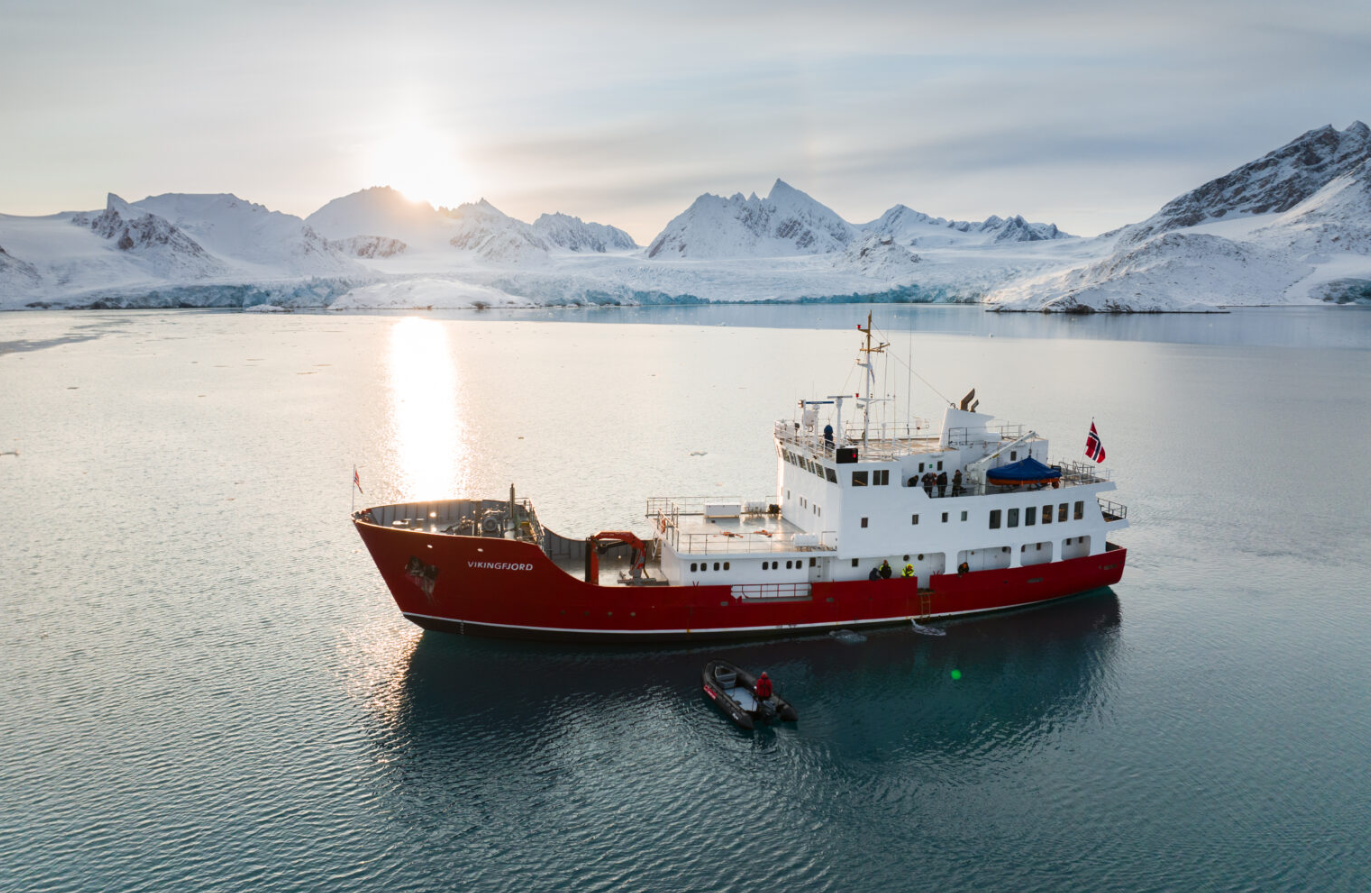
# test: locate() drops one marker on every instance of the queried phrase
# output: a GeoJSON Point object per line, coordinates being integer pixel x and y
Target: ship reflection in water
{"type": "Point", "coordinates": [469, 712]}
{"type": "Point", "coordinates": [426, 430]}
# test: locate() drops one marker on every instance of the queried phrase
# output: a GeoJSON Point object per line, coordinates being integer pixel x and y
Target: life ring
{"type": "Point", "coordinates": [1056, 482]}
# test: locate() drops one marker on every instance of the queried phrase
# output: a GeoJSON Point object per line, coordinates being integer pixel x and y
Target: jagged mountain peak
{"type": "Point", "coordinates": [786, 222]}
{"type": "Point", "coordinates": [575, 234]}
{"type": "Point", "coordinates": [1276, 182]}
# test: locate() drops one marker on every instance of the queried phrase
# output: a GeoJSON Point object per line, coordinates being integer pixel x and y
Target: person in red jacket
{"type": "Point", "coordinates": [763, 689]}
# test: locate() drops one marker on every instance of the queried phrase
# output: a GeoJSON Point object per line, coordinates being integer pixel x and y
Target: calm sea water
{"type": "Point", "coordinates": [207, 687]}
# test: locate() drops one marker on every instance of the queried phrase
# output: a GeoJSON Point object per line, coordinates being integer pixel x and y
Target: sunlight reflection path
{"type": "Point", "coordinates": [426, 429]}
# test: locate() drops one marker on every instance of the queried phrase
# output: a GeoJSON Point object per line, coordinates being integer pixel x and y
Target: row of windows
{"type": "Point", "coordinates": [930, 466]}
{"type": "Point", "coordinates": [704, 566]}
{"type": "Point", "coordinates": [815, 468]}
{"type": "Point", "coordinates": [1030, 515]}
{"type": "Point", "coordinates": [879, 478]}
{"type": "Point", "coordinates": [798, 562]}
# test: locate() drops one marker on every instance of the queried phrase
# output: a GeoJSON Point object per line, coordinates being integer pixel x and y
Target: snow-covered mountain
{"type": "Point", "coordinates": [574, 234]}
{"type": "Point", "coordinates": [248, 233]}
{"type": "Point", "coordinates": [22, 275]}
{"type": "Point", "coordinates": [786, 222]}
{"type": "Point", "coordinates": [1293, 226]}
{"type": "Point", "coordinates": [380, 211]}
{"type": "Point", "coordinates": [157, 244]}
{"type": "Point", "coordinates": [917, 229]}
{"type": "Point", "coordinates": [489, 233]}
{"type": "Point", "coordinates": [368, 246]}
{"type": "Point", "coordinates": [1276, 182]}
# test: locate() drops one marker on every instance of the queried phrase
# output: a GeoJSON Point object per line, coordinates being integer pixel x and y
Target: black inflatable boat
{"type": "Point", "coordinates": [734, 691]}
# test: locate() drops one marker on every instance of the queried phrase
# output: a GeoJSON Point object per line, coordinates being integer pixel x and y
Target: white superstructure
{"type": "Point", "coordinates": [851, 495]}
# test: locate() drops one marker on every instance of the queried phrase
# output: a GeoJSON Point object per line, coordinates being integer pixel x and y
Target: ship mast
{"type": "Point", "coordinates": [870, 375]}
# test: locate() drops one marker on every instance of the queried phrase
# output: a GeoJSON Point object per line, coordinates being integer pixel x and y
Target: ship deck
{"type": "Point", "coordinates": [743, 533]}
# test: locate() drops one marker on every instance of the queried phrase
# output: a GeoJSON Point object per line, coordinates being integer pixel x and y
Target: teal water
{"type": "Point", "coordinates": [206, 686]}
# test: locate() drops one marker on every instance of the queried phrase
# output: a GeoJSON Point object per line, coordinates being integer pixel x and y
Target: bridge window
{"type": "Point", "coordinates": [994, 519]}
{"type": "Point", "coordinates": [787, 565]}
{"type": "Point", "coordinates": [859, 478]}
{"type": "Point", "coordinates": [716, 565]}
{"type": "Point", "coordinates": [1030, 517]}
{"type": "Point", "coordinates": [1080, 510]}
{"type": "Point", "coordinates": [1013, 517]}
{"type": "Point", "coordinates": [725, 565]}
{"type": "Point", "coordinates": [880, 478]}
{"type": "Point", "coordinates": [1061, 513]}
{"type": "Point", "coordinates": [1047, 514]}
{"type": "Point", "coordinates": [831, 475]}
{"type": "Point", "coordinates": [914, 519]}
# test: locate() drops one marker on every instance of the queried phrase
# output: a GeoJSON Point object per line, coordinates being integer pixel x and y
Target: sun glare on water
{"type": "Point", "coordinates": [421, 163]}
{"type": "Point", "coordinates": [426, 428]}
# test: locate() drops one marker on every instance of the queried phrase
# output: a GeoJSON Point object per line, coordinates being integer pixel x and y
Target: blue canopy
{"type": "Point", "coordinates": [1025, 471]}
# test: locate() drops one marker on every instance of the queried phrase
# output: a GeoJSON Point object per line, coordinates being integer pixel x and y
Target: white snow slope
{"type": "Point", "coordinates": [1293, 226]}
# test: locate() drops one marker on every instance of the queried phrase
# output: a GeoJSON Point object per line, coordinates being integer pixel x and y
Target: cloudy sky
{"type": "Point", "coordinates": [1086, 114]}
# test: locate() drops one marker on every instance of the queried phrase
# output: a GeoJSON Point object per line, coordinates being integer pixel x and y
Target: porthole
{"type": "Point", "coordinates": [921, 558]}
{"type": "Point", "coordinates": [906, 558]}
{"type": "Point", "coordinates": [716, 565]}
{"type": "Point", "coordinates": [693, 568]}
{"type": "Point", "coordinates": [725, 565]}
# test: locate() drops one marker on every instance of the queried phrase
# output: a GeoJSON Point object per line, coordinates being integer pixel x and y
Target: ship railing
{"type": "Point", "coordinates": [1113, 511]}
{"type": "Point", "coordinates": [759, 591]}
{"type": "Point", "coordinates": [447, 515]}
{"type": "Point", "coordinates": [883, 441]}
{"type": "Point", "coordinates": [1074, 473]}
{"type": "Point", "coordinates": [695, 505]}
{"type": "Point", "coordinates": [990, 434]}
{"type": "Point", "coordinates": [747, 542]}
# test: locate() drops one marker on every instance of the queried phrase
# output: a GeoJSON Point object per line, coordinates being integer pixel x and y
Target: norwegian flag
{"type": "Point", "coordinates": [357, 480]}
{"type": "Point", "coordinates": [1094, 447]}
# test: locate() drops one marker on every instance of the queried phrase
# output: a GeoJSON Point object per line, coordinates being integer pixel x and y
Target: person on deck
{"type": "Point", "coordinates": [875, 574]}
{"type": "Point", "coordinates": [908, 571]}
{"type": "Point", "coordinates": [957, 482]}
{"type": "Point", "coordinates": [763, 689]}
{"type": "Point", "coordinates": [929, 479]}
{"type": "Point", "coordinates": [885, 570]}
{"type": "Point", "coordinates": [942, 483]}
{"type": "Point", "coordinates": [828, 437]}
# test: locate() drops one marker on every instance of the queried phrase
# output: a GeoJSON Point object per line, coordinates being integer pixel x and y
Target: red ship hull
{"type": "Point", "coordinates": [496, 587]}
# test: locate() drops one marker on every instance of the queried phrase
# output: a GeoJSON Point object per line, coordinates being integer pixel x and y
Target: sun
{"type": "Point", "coordinates": [422, 163]}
